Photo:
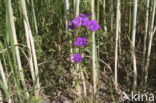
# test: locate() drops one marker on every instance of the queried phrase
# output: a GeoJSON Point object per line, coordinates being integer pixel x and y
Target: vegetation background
{"type": "Point", "coordinates": [36, 47]}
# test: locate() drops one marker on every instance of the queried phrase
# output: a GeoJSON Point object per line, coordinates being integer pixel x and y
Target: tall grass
{"type": "Point", "coordinates": [145, 35]}
{"type": "Point", "coordinates": [146, 31]}
{"type": "Point", "coordinates": [98, 10]}
{"type": "Point", "coordinates": [34, 17]}
{"type": "Point", "coordinates": [104, 7]}
{"type": "Point", "coordinates": [151, 33]}
{"type": "Point", "coordinates": [30, 37]}
{"type": "Point", "coordinates": [94, 68]}
{"type": "Point", "coordinates": [12, 30]}
{"type": "Point", "coordinates": [133, 44]}
{"type": "Point", "coordinates": [130, 17]}
{"type": "Point", "coordinates": [1, 96]}
{"type": "Point", "coordinates": [4, 82]}
{"type": "Point", "coordinates": [112, 15]}
{"type": "Point", "coordinates": [67, 12]}
{"type": "Point", "coordinates": [116, 44]}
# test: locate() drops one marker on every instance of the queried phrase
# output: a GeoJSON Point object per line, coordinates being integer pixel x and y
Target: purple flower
{"type": "Point", "coordinates": [78, 21]}
{"type": "Point", "coordinates": [71, 26]}
{"type": "Point", "coordinates": [92, 25]}
{"type": "Point", "coordinates": [84, 18]}
{"type": "Point", "coordinates": [77, 58]}
{"type": "Point", "coordinates": [81, 20]}
{"type": "Point", "coordinates": [81, 41]}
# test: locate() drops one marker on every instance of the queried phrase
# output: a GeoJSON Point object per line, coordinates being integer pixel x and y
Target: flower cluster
{"type": "Point", "coordinates": [82, 20]}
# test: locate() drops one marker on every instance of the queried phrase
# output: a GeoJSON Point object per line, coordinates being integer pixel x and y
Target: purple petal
{"type": "Point", "coordinates": [94, 21]}
{"type": "Point", "coordinates": [74, 21]}
{"type": "Point", "coordinates": [84, 38]}
{"type": "Point", "coordinates": [76, 43]}
{"type": "Point", "coordinates": [71, 26]}
{"type": "Point", "coordinates": [81, 15]}
{"type": "Point", "coordinates": [78, 38]}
